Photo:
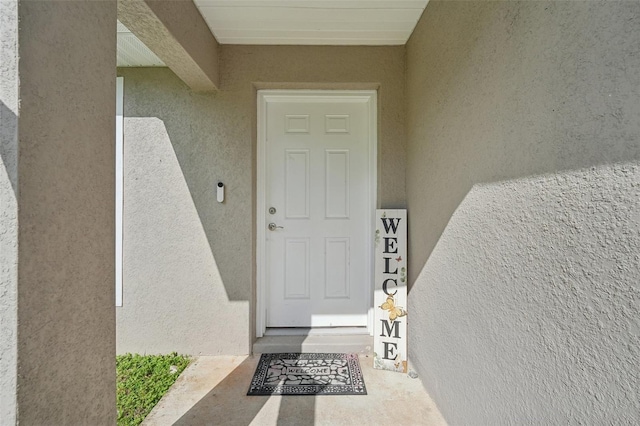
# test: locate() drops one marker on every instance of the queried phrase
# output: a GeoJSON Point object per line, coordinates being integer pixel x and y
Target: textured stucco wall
{"type": "Point", "coordinates": [523, 187]}
{"type": "Point", "coordinates": [66, 128]}
{"type": "Point", "coordinates": [8, 209]}
{"type": "Point", "coordinates": [188, 260]}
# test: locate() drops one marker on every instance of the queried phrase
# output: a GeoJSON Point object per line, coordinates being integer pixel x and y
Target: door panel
{"type": "Point", "coordinates": [317, 178]}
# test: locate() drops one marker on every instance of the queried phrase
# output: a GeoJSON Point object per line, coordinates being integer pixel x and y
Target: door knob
{"type": "Point", "coordinates": [272, 226]}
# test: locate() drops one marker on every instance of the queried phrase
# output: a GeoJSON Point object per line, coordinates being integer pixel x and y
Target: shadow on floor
{"type": "Point", "coordinates": [227, 402]}
{"type": "Point", "coordinates": [212, 391]}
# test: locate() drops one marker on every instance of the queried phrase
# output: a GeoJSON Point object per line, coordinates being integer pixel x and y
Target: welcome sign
{"type": "Point", "coordinates": [390, 300]}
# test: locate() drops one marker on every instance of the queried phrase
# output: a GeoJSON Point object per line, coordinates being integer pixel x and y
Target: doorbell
{"type": "Point", "coordinates": [220, 192]}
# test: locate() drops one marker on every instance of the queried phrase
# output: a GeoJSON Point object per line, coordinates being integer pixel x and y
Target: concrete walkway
{"type": "Point", "coordinates": [212, 391]}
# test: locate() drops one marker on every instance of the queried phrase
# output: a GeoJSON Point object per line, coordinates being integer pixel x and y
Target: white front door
{"type": "Point", "coordinates": [317, 178]}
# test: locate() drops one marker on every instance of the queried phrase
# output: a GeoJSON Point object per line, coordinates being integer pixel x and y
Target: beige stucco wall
{"type": "Point", "coordinates": [523, 190]}
{"type": "Point", "coordinates": [59, 160]}
{"type": "Point", "coordinates": [8, 209]}
{"type": "Point", "coordinates": [188, 260]}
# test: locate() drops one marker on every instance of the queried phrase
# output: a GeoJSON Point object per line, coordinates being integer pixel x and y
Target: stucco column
{"type": "Point", "coordinates": [57, 335]}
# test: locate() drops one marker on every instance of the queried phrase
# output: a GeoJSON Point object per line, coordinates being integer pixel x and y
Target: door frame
{"type": "Point", "coordinates": [272, 96]}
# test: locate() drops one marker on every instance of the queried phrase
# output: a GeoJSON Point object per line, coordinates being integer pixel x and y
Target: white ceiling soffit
{"type": "Point", "coordinates": [134, 53]}
{"type": "Point", "coordinates": [306, 22]}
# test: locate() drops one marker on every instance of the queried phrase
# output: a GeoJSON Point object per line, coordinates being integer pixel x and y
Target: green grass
{"type": "Point", "coordinates": [141, 381]}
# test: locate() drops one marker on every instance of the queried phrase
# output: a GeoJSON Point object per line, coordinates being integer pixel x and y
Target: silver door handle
{"type": "Point", "coordinates": [272, 227]}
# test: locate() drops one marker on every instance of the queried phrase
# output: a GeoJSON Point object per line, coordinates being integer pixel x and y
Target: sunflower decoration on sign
{"type": "Point", "coordinates": [394, 311]}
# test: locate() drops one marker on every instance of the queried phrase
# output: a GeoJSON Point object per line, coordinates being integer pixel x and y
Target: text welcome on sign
{"type": "Point", "coordinates": [390, 336]}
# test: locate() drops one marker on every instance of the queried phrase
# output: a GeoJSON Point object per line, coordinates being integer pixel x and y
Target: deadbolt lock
{"type": "Point", "coordinates": [272, 210]}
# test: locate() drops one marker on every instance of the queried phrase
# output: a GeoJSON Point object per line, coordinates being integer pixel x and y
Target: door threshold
{"type": "Point", "coordinates": [329, 343]}
{"type": "Point", "coordinates": [314, 331]}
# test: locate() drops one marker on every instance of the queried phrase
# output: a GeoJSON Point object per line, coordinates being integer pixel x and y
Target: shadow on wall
{"type": "Point", "coordinates": [187, 267]}
{"type": "Point", "coordinates": [8, 263]}
{"type": "Point", "coordinates": [208, 151]}
{"type": "Point", "coordinates": [528, 305]}
{"type": "Point", "coordinates": [510, 99]}
{"type": "Point", "coordinates": [523, 184]}
{"type": "Point", "coordinates": [8, 147]}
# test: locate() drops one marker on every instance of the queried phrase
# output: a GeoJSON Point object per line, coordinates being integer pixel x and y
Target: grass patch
{"type": "Point", "coordinates": [141, 381]}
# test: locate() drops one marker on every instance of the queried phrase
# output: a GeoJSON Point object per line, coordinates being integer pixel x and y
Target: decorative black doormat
{"type": "Point", "coordinates": [308, 374]}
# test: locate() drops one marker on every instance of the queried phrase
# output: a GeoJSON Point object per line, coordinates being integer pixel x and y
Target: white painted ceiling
{"type": "Point", "coordinates": [286, 22]}
{"type": "Point", "coordinates": [306, 22]}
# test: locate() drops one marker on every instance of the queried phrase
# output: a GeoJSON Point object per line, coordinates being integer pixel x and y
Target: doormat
{"type": "Point", "coordinates": [308, 374]}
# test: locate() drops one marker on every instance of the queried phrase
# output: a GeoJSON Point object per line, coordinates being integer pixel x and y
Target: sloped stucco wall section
{"type": "Point", "coordinates": [188, 260]}
{"type": "Point", "coordinates": [523, 187]}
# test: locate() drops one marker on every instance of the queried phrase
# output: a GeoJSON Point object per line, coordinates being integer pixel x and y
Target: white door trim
{"type": "Point", "coordinates": [266, 96]}
{"type": "Point", "coordinates": [119, 185]}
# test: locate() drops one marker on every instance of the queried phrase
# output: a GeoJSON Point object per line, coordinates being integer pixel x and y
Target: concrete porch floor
{"type": "Point", "coordinates": [212, 391]}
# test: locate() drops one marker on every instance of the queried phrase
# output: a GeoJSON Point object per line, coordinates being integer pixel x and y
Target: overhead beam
{"type": "Point", "coordinates": [176, 32]}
